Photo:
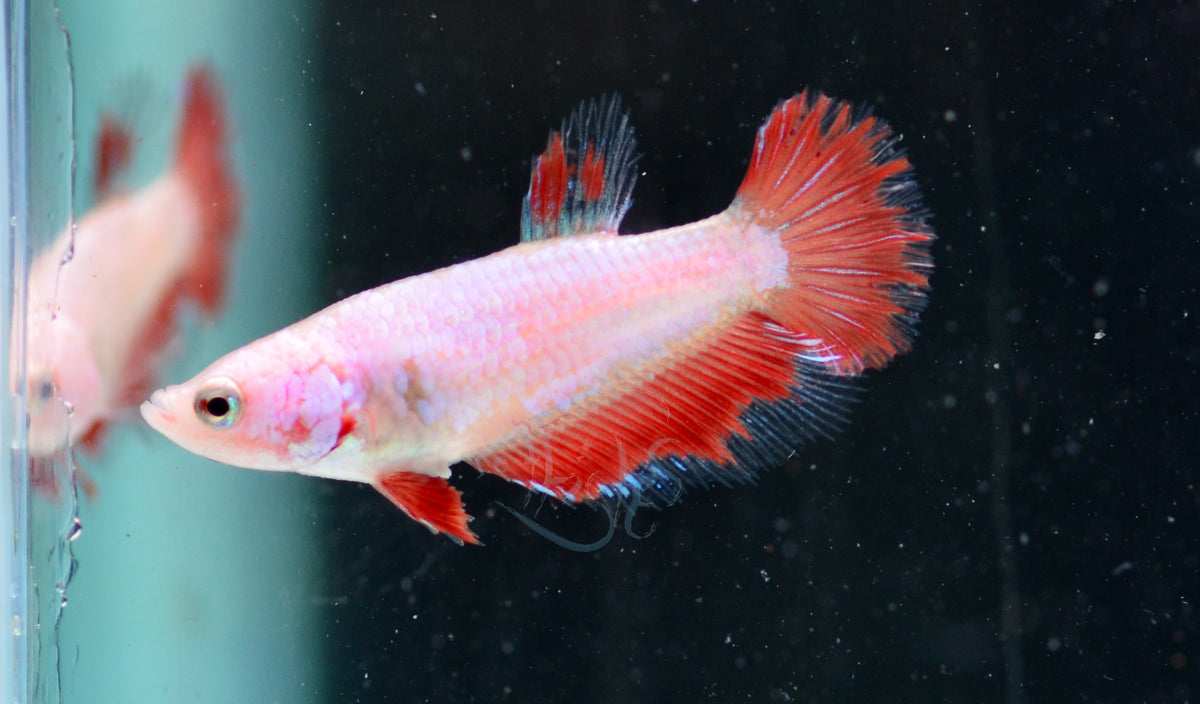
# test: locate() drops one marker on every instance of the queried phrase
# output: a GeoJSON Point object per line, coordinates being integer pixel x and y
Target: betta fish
{"type": "Point", "coordinates": [103, 296]}
{"type": "Point", "coordinates": [589, 365]}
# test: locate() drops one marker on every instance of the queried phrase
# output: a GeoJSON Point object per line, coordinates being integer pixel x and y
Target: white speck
{"type": "Point", "coordinates": [425, 410]}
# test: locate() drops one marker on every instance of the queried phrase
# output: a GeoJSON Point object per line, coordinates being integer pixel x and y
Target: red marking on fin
{"type": "Point", "coordinates": [583, 181]}
{"type": "Point", "coordinates": [591, 174]}
{"type": "Point", "coordinates": [429, 500]}
{"type": "Point", "coordinates": [114, 151]}
{"type": "Point", "coordinates": [202, 160]}
{"type": "Point", "coordinates": [548, 184]}
{"type": "Point", "coordinates": [842, 196]}
{"type": "Point", "coordinates": [690, 407]}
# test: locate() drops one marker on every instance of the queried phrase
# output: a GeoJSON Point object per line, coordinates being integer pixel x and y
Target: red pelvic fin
{"type": "Point", "coordinates": [202, 159]}
{"type": "Point", "coordinates": [93, 439]}
{"type": "Point", "coordinates": [428, 500]}
{"type": "Point", "coordinates": [43, 477]}
{"type": "Point", "coordinates": [695, 413]}
{"type": "Point", "coordinates": [114, 152]}
{"type": "Point", "coordinates": [842, 195]}
{"type": "Point", "coordinates": [583, 181]}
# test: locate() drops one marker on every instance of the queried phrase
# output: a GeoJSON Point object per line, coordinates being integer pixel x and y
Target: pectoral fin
{"type": "Point", "coordinates": [428, 500]}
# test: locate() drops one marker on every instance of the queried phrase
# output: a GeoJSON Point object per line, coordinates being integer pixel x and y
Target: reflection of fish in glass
{"type": "Point", "coordinates": [587, 365]}
{"type": "Point", "coordinates": [102, 298]}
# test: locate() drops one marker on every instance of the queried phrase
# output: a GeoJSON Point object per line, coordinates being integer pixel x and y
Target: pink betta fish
{"type": "Point", "coordinates": [587, 365]}
{"type": "Point", "coordinates": [103, 296]}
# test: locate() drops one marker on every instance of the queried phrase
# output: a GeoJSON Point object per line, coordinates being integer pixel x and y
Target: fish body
{"type": "Point", "coordinates": [585, 364]}
{"type": "Point", "coordinates": [102, 296]}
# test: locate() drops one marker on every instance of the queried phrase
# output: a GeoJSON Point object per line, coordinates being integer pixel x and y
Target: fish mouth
{"type": "Point", "coordinates": [155, 410]}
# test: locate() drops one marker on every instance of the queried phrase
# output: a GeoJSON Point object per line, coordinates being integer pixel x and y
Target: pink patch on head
{"type": "Point", "coordinates": [309, 418]}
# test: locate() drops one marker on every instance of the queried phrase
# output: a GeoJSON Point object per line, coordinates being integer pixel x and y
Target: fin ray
{"type": "Point", "coordinates": [428, 500]}
{"type": "Point", "coordinates": [678, 418]}
{"type": "Point", "coordinates": [840, 192]}
{"type": "Point", "coordinates": [583, 181]}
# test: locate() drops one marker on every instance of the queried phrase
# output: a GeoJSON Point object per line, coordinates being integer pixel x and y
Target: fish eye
{"type": "Point", "coordinates": [219, 405]}
{"type": "Point", "coordinates": [44, 387]}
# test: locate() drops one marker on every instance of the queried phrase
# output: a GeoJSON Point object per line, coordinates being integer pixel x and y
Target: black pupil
{"type": "Point", "coordinates": [217, 406]}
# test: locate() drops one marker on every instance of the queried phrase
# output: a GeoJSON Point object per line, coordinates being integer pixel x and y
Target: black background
{"type": "Point", "coordinates": [1026, 476]}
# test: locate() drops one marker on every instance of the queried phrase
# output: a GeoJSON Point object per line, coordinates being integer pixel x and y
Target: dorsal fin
{"type": "Point", "coordinates": [114, 152]}
{"type": "Point", "coordinates": [121, 129]}
{"type": "Point", "coordinates": [583, 181]}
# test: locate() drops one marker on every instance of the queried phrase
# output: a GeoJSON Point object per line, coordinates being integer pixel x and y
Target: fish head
{"type": "Point", "coordinates": [62, 384]}
{"type": "Point", "coordinates": [257, 408]}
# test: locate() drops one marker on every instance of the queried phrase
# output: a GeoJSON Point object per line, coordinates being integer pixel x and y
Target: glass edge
{"type": "Point", "coordinates": [13, 269]}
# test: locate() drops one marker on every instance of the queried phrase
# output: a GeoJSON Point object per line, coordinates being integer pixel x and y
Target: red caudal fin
{"type": "Point", "coordinates": [203, 161]}
{"type": "Point", "coordinates": [428, 500]}
{"type": "Point", "coordinates": [842, 195]}
{"type": "Point", "coordinates": [583, 181]}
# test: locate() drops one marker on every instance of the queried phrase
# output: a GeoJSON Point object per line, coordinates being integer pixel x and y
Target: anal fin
{"type": "Point", "coordinates": [428, 500]}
